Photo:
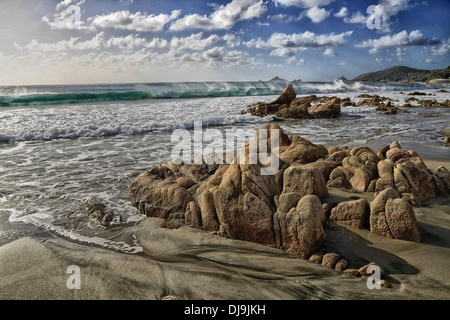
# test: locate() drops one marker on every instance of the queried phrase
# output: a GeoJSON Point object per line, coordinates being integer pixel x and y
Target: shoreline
{"type": "Point", "coordinates": [194, 264]}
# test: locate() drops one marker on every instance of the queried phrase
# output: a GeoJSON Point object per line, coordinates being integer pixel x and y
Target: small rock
{"type": "Point", "coordinates": [316, 258]}
{"type": "Point", "coordinates": [352, 272]}
{"type": "Point", "coordinates": [185, 182]}
{"type": "Point", "coordinates": [363, 269]}
{"type": "Point", "coordinates": [447, 141]}
{"type": "Point", "coordinates": [354, 213]}
{"type": "Point", "coordinates": [341, 265]}
{"type": "Point", "coordinates": [385, 283]}
{"type": "Point", "coordinates": [330, 259]}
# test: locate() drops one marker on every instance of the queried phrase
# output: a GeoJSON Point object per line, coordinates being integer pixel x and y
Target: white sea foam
{"type": "Point", "coordinates": [59, 159]}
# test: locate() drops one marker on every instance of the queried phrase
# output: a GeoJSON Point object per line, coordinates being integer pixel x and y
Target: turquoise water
{"type": "Point", "coordinates": [16, 96]}
{"type": "Point", "coordinates": [65, 147]}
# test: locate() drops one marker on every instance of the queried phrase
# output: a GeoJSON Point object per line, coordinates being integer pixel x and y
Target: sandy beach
{"type": "Point", "coordinates": [193, 264]}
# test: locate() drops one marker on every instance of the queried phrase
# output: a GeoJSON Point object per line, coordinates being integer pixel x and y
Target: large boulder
{"type": "Point", "coordinates": [244, 204]}
{"type": "Point", "coordinates": [288, 106]}
{"type": "Point", "coordinates": [356, 171]}
{"type": "Point", "coordinates": [303, 151]}
{"type": "Point", "coordinates": [329, 109]}
{"type": "Point", "coordinates": [364, 170]}
{"type": "Point", "coordinates": [286, 97]}
{"type": "Point", "coordinates": [393, 217]}
{"type": "Point", "coordinates": [300, 231]}
{"type": "Point", "coordinates": [164, 202]}
{"type": "Point", "coordinates": [304, 181]}
{"type": "Point", "coordinates": [354, 213]}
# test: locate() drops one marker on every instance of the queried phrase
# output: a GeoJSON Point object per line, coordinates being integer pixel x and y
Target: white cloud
{"type": "Point", "coordinates": [133, 41]}
{"type": "Point", "coordinates": [66, 3]}
{"type": "Point", "coordinates": [224, 17]}
{"type": "Point", "coordinates": [356, 17]}
{"type": "Point", "coordinates": [283, 52]}
{"type": "Point", "coordinates": [232, 40]}
{"type": "Point", "coordinates": [141, 22]}
{"type": "Point", "coordinates": [303, 3]}
{"type": "Point", "coordinates": [17, 46]}
{"type": "Point", "coordinates": [387, 9]}
{"type": "Point", "coordinates": [68, 12]}
{"type": "Point", "coordinates": [65, 45]}
{"type": "Point", "coordinates": [414, 38]}
{"type": "Point", "coordinates": [317, 14]}
{"type": "Point", "coordinates": [443, 48]}
{"type": "Point", "coordinates": [341, 13]}
{"type": "Point", "coordinates": [98, 42]}
{"type": "Point", "coordinates": [193, 42]}
{"type": "Point", "coordinates": [401, 53]}
{"type": "Point", "coordinates": [382, 60]}
{"type": "Point", "coordinates": [275, 66]}
{"type": "Point", "coordinates": [285, 18]}
{"type": "Point", "coordinates": [329, 52]}
{"type": "Point", "coordinates": [430, 61]}
{"type": "Point", "coordinates": [300, 41]}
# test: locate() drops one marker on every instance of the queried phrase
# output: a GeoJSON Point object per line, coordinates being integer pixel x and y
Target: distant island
{"type": "Point", "coordinates": [406, 74]}
{"type": "Point", "coordinates": [277, 78]}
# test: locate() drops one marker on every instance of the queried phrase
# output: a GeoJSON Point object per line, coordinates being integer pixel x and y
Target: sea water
{"type": "Point", "coordinates": [63, 148]}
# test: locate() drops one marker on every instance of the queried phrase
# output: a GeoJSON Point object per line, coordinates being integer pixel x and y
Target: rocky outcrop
{"type": "Point", "coordinates": [354, 213]}
{"type": "Point", "coordinates": [287, 106]}
{"type": "Point", "coordinates": [364, 170]}
{"type": "Point", "coordinates": [98, 212]}
{"type": "Point", "coordinates": [388, 108]}
{"type": "Point", "coordinates": [356, 171]}
{"type": "Point", "coordinates": [447, 141]}
{"type": "Point", "coordinates": [300, 231]}
{"type": "Point", "coordinates": [237, 201]}
{"type": "Point", "coordinates": [285, 209]}
{"type": "Point", "coordinates": [393, 217]}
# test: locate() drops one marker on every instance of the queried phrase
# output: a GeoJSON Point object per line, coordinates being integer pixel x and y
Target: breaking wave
{"type": "Point", "coordinates": [61, 95]}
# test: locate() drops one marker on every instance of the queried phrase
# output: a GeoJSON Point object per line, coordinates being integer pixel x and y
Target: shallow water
{"type": "Point", "coordinates": [57, 160]}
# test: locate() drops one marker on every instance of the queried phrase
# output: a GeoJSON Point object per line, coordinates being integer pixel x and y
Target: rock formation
{"type": "Point", "coordinates": [285, 209]}
{"type": "Point", "coordinates": [288, 106]}
{"type": "Point", "coordinates": [354, 213]}
{"type": "Point", "coordinates": [237, 201]}
{"type": "Point", "coordinates": [393, 217]}
{"type": "Point", "coordinates": [364, 170]}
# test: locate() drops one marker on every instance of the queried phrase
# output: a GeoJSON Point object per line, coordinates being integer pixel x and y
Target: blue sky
{"type": "Point", "coordinates": [103, 41]}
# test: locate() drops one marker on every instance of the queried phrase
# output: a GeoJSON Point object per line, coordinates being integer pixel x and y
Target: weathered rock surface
{"type": "Point", "coordinates": [98, 211]}
{"type": "Point", "coordinates": [354, 213]}
{"type": "Point", "coordinates": [284, 209]}
{"type": "Point", "coordinates": [330, 259]}
{"type": "Point", "coordinates": [287, 106]}
{"type": "Point", "coordinates": [393, 217]}
{"type": "Point", "coordinates": [364, 170]}
{"type": "Point", "coordinates": [300, 231]}
{"type": "Point", "coordinates": [447, 141]}
{"type": "Point", "coordinates": [304, 181]}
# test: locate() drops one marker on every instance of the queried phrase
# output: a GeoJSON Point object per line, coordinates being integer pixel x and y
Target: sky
{"type": "Point", "coordinates": [131, 41]}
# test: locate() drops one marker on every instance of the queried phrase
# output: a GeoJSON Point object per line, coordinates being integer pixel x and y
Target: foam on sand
{"type": "Point", "coordinates": [194, 264]}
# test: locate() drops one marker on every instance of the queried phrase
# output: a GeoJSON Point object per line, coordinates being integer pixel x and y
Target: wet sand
{"type": "Point", "coordinates": [194, 264]}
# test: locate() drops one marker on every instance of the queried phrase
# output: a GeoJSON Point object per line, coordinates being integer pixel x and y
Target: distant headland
{"type": "Point", "coordinates": [406, 74]}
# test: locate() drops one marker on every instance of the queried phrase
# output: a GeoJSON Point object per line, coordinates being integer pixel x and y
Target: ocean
{"type": "Point", "coordinates": [63, 148]}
